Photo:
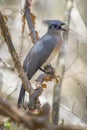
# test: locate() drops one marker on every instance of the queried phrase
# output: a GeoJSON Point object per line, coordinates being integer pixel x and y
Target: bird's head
{"type": "Point", "coordinates": [54, 25]}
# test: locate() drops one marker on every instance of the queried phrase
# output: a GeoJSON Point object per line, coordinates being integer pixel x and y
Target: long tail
{"type": "Point", "coordinates": [21, 97]}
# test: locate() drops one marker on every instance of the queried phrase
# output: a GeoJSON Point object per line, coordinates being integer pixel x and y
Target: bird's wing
{"type": "Point", "coordinates": [38, 54]}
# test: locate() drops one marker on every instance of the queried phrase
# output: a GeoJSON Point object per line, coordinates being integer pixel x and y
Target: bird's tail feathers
{"type": "Point", "coordinates": [21, 97]}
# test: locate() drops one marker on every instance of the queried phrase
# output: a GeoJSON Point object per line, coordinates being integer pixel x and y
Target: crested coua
{"type": "Point", "coordinates": [42, 52]}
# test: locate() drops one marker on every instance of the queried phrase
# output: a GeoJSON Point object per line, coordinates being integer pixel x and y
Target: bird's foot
{"type": "Point", "coordinates": [49, 70]}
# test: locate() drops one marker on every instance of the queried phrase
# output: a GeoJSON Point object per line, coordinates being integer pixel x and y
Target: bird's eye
{"type": "Point", "coordinates": [54, 26]}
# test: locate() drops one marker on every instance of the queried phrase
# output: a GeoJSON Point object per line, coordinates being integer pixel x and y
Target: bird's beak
{"type": "Point", "coordinates": [61, 28]}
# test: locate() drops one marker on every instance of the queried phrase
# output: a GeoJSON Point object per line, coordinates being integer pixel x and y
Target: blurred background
{"type": "Point", "coordinates": [73, 107]}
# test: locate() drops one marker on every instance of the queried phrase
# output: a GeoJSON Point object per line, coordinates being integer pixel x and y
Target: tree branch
{"type": "Point", "coordinates": [7, 37]}
{"type": "Point", "coordinates": [61, 69]}
{"type": "Point", "coordinates": [30, 21]}
{"type": "Point", "coordinates": [33, 122]}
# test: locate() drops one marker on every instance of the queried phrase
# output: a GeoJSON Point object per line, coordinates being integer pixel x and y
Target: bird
{"type": "Point", "coordinates": [42, 52]}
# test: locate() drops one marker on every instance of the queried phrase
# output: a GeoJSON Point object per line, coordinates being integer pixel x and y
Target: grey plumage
{"type": "Point", "coordinates": [41, 52]}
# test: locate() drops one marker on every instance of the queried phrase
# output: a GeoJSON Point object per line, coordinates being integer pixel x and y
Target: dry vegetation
{"type": "Point", "coordinates": [34, 116]}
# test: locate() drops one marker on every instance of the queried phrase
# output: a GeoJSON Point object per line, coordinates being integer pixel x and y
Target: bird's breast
{"type": "Point", "coordinates": [54, 52]}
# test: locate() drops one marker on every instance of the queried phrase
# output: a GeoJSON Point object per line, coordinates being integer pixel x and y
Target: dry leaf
{"type": "Point", "coordinates": [44, 85]}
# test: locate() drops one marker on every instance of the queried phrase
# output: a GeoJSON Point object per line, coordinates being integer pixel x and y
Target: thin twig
{"type": "Point", "coordinates": [30, 21]}
{"type": "Point", "coordinates": [60, 68]}
{"type": "Point", "coordinates": [6, 65]}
